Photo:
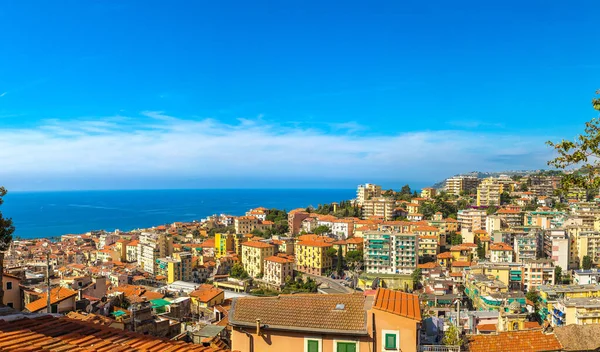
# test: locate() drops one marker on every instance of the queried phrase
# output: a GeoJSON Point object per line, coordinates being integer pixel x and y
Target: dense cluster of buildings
{"type": "Point", "coordinates": [514, 259]}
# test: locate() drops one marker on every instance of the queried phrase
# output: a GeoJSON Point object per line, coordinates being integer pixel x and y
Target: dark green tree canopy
{"type": "Point", "coordinates": [6, 226]}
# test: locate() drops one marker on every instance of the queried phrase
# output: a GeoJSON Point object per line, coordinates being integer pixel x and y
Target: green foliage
{"type": "Point", "coordinates": [505, 198]}
{"type": "Point", "coordinates": [322, 229]}
{"type": "Point", "coordinates": [416, 277]}
{"type": "Point", "coordinates": [331, 252]}
{"type": "Point", "coordinates": [586, 262]}
{"type": "Point", "coordinates": [277, 215]}
{"type": "Point", "coordinates": [480, 249]}
{"type": "Point", "coordinates": [196, 233]}
{"type": "Point", "coordinates": [405, 190]}
{"type": "Point", "coordinates": [560, 206]}
{"type": "Point", "coordinates": [6, 227]}
{"type": "Point", "coordinates": [455, 238]}
{"type": "Point", "coordinates": [293, 286]}
{"type": "Point", "coordinates": [533, 296]}
{"type": "Point", "coordinates": [523, 187]}
{"type": "Point", "coordinates": [222, 229]}
{"type": "Point", "coordinates": [557, 274]}
{"type": "Point", "coordinates": [339, 266]}
{"type": "Point", "coordinates": [452, 337]}
{"type": "Point", "coordinates": [531, 206]}
{"type": "Point", "coordinates": [238, 272]}
{"type": "Point", "coordinates": [583, 152]}
{"type": "Point", "coordinates": [353, 257]}
{"type": "Point", "coordinates": [344, 209]}
{"type": "Point", "coordinates": [491, 210]}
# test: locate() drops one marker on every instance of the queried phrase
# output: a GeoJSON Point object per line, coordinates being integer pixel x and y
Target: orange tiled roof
{"type": "Point", "coordinates": [426, 228]}
{"type": "Point", "coordinates": [429, 265]}
{"type": "Point", "coordinates": [49, 333]}
{"type": "Point", "coordinates": [257, 244]}
{"type": "Point", "coordinates": [205, 293]}
{"type": "Point", "coordinates": [278, 259]}
{"type": "Point", "coordinates": [500, 247]}
{"type": "Point", "coordinates": [445, 255]}
{"type": "Point", "coordinates": [460, 264]}
{"type": "Point", "coordinates": [486, 327]}
{"type": "Point", "coordinates": [314, 244]}
{"type": "Point", "coordinates": [57, 294]}
{"type": "Point", "coordinates": [398, 302]}
{"type": "Point", "coordinates": [515, 341]}
{"type": "Point", "coordinates": [307, 312]}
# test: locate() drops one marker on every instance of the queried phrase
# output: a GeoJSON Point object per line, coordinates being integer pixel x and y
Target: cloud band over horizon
{"type": "Point", "coordinates": [125, 152]}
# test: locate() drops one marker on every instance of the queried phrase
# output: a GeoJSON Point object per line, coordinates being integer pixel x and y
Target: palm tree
{"type": "Point", "coordinates": [6, 231]}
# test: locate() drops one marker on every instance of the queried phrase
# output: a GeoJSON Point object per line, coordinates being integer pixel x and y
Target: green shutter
{"type": "Point", "coordinates": [346, 347]}
{"type": "Point", "coordinates": [313, 346]}
{"type": "Point", "coordinates": [390, 341]}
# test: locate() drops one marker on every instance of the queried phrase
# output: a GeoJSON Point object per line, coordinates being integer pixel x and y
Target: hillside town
{"type": "Point", "coordinates": [506, 263]}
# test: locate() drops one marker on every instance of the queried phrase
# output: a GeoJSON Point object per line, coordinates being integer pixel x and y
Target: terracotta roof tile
{"type": "Point", "coordinates": [257, 244]}
{"type": "Point", "coordinates": [57, 294]}
{"type": "Point", "coordinates": [514, 341]}
{"type": "Point", "coordinates": [206, 292]}
{"type": "Point", "coordinates": [310, 312]}
{"type": "Point", "coordinates": [48, 333]}
{"type": "Point", "coordinates": [399, 303]}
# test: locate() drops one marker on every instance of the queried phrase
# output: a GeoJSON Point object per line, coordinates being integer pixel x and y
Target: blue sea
{"type": "Point", "coordinates": [49, 214]}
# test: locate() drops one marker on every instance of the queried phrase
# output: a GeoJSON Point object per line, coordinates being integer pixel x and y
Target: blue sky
{"type": "Point", "coordinates": [157, 94]}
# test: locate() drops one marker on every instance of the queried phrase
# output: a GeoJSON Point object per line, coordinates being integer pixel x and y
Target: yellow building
{"type": "Point", "coordinates": [489, 191]}
{"type": "Point", "coordinates": [224, 243]}
{"type": "Point", "coordinates": [428, 246]}
{"type": "Point", "coordinates": [312, 258]}
{"type": "Point", "coordinates": [176, 268]}
{"type": "Point", "coordinates": [121, 249]}
{"type": "Point", "coordinates": [550, 295]}
{"type": "Point", "coordinates": [588, 243]}
{"type": "Point", "coordinates": [245, 224]}
{"type": "Point", "coordinates": [254, 254]}
{"type": "Point", "coordinates": [580, 311]}
{"type": "Point", "coordinates": [428, 192]}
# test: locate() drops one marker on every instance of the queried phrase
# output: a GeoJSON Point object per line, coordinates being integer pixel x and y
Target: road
{"type": "Point", "coordinates": [331, 283]}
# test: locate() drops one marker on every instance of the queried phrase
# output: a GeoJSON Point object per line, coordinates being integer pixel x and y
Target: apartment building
{"type": "Point", "coordinates": [176, 268]}
{"type": "Point", "coordinates": [245, 224]}
{"type": "Point", "coordinates": [526, 246]}
{"type": "Point", "coordinates": [295, 218]}
{"type": "Point", "coordinates": [501, 253]}
{"type": "Point", "coordinates": [152, 246]}
{"type": "Point", "coordinates": [378, 207]}
{"type": "Point", "coordinates": [489, 191]}
{"type": "Point", "coordinates": [260, 213]}
{"type": "Point", "coordinates": [550, 295]}
{"type": "Point", "coordinates": [367, 192]}
{"type": "Point", "coordinates": [390, 252]}
{"type": "Point", "coordinates": [311, 256]}
{"type": "Point", "coordinates": [542, 186]}
{"type": "Point", "coordinates": [537, 272]}
{"type": "Point", "coordinates": [585, 277]}
{"type": "Point", "coordinates": [588, 244]}
{"type": "Point", "coordinates": [428, 247]}
{"type": "Point", "coordinates": [278, 269]}
{"type": "Point", "coordinates": [471, 219]}
{"type": "Point", "coordinates": [556, 246]}
{"type": "Point", "coordinates": [544, 219]}
{"type": "Point", "coordinates": [254, 254]}
{"type": "Point", "coordinates": [224, 243]}
{"type": "Point", "coordinates": [510, 218]}
{"type": "Point", "coordinates": [131, 251]}
{"type": "Point", "coordinates": [428, 192]}
{"type": "Point", "coordinates": [456, 184]}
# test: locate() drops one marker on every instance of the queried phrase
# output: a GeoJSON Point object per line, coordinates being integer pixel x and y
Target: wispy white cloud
{"type": "Point", "coordinates": [159, 145]}
{"type": "Point", "coordinates": [3, 94]}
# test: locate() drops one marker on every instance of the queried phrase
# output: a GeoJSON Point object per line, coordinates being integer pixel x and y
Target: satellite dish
{"type": "Point", "coordinates": [89, 308]}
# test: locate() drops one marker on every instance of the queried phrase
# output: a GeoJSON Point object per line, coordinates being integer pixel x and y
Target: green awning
{"type": "Point", "coordinates": [118, 313]}
{"type": "Point", "coordinates": [159, 303]}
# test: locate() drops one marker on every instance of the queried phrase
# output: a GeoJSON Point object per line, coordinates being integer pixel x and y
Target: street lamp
{"type": "Point", "coordinates": [48, 250]}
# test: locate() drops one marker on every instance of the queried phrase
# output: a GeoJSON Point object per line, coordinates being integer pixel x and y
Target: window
{"type": "Point", "coordinates": [54, 308]}
{"type": "Point", "coordinates": [10, 305]}
{"type": "Point", "coordinates": [9, 285]}
{"type": "Point", "coordinates": [346, 347]}
{"type": "Point", "coordinates": [312, 344]}
{"type": "Point", "coordinates": [390, 342]}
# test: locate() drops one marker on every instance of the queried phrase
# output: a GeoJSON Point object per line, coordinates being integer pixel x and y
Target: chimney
{"type": "Point", "coordinates": [258, 327]}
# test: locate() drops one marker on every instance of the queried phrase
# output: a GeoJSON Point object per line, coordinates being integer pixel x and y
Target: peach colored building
{"type": "Point", "coordinates": [326, 323]}
{"type": "Point", "coordinates": [12, 291]}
